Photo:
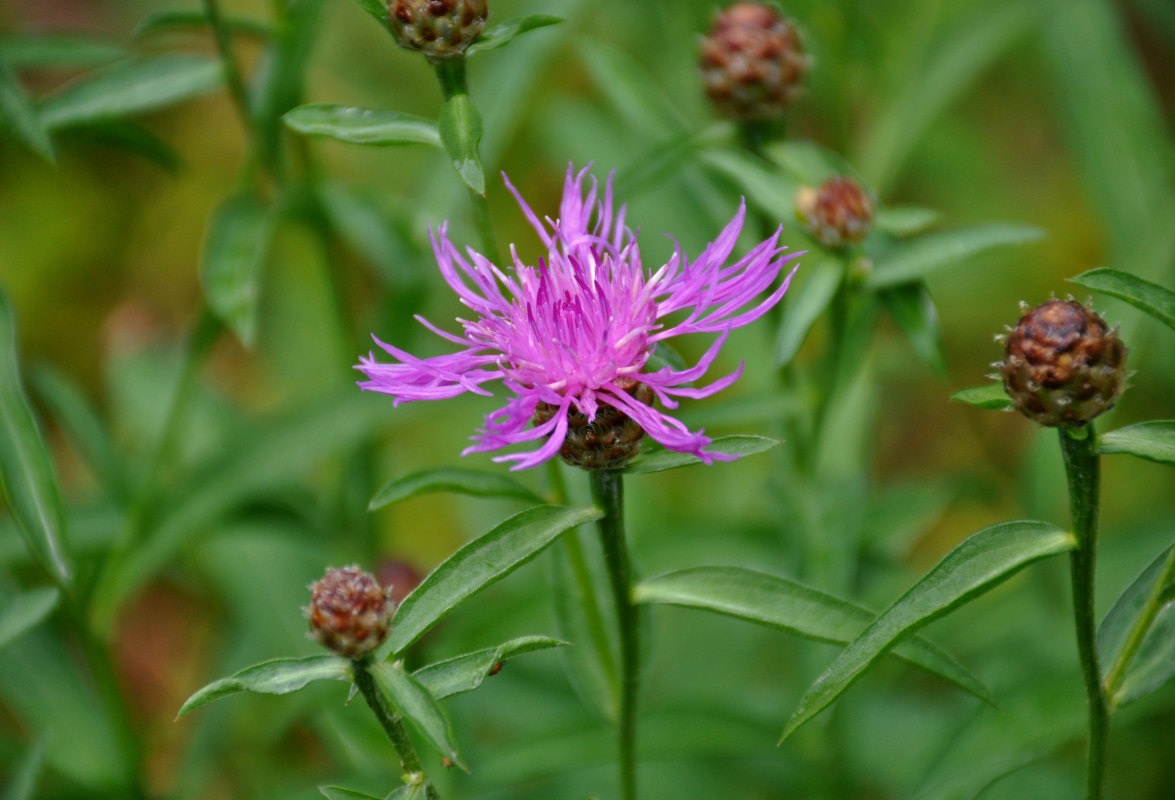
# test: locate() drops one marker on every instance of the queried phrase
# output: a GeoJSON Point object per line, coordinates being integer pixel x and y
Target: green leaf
{"type": "Point", "coordinates": [903, 221]}
{"type": "Point", "coordinates": [460, 129]}
{"type": "Point", "coordinates": [913, 310]}
{"type": "Point", "coordinates": [132, 87]}
{"type": "Point", "coordinates": [918, 257]}
{"type": "Point", "coordinates": [27, 475]}
{"type": "Point", "coordinates": [808, 163]}
{"type": "Point", "coordinates": [764, 185]}
{"type": "Point", "coordinates": [24, 611]}
{"type": "Point", "coordinates": [805, 304]}
{"type": "Point", "coordinates": [231, 258]}
{"type": "Point", "coordinates": [18, 115]}
{"type": "Point", "coordinates": [1153, 662]}
{"type": "Point", "coordinates": [22, 784]}
{"type": "Point", "coordinates": [447, 479]}
{"type": "Point", "coordinates": [362, 125]}
{"type": "Point", "coordinates": [504, 33]}
{"type": "Point", "coordinates": [993, 397]}
{"type": "Point", "coordinates": [1150, 297]}
{"type": "Point", "coordinates": [1154, 441]}
{"type": "Point", "coordinates": [466, 672]}
{"type": "Point", "coordinates": [134, 139]}
{"type": "Point", "coordinates": [339, 793]}
{"type": "Point", "coordinates": [21, 51]}
{"type": "Point", "coordinates": [278, 83]}
{"type": "Point", "coordinates": [740, 444]}
{"type": "Point", "coordinates": [417, 705]}
{"type": "Point", "coordinates": [377, 9]}
{"type": "Point", "coordinates": [984, 560]}
{"type": "Point", "coordinates": [782, 603]}
{"type": "Point", "coordinates": [488, 558]}
{"type": "Point", "coordinates": [172, 19]}
{"type": "Point", "coordinates": [280, 676]}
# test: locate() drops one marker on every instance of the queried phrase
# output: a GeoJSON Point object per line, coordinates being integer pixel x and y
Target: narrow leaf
{"type": "Point", "coordinates": [280, 676]}
{"type": "Point", "coordinates": [782, 603]}
{"type": "Point", "coordinates": [377, 9]}
{"type": "Point", "coordinates": [22, 783]}
{"type": "Point", "coordinates": [134, 139]}
{"type": "Point", "coordinates": [993, 397]}
{"type": "Point", "coordinates": [418, 706]}
{"type": "Point", "coordinates": [504, 33]}
{"type": "Point", "coordinates": [175, 19]}
{"type": "Point", "coordinates": [466, 672]}
{"type": "Point", "coordinates": [21, 51]}
{"type": "Point", "coordinates": [740, 444]}
{"type": "Point", "coordinates": [27, 475]}
{"type": "Point", "coordinates": [460, 129]}
{"type": "Point", "coordinates": [1146, 609]}
{"type": "Point", "coordinates": [18, 115]}
{"type": "Point", "coordinates": [806, 162]}
{"type": "Point", "coordinates": [805, 305]}
{"type": "Point", "coordinates": [447, 479]}
{"type": "Point", "coordinates": [984, 560]}
{"type": "Point", "coordinates": [362, 125]}
{"type": "Point", "coordinates": [765, 185]}
{"type": "Point", "coordinates": [133, 87]}
{"type": "Point", "coordinates": [1150, 297]}
{"type": "Point", "coordinates": [24, 611]}
{"type": "Point", "coordinates": [902, 221]}
{"type": "Point", "coordinates": [231, 259]}
{"type": "Point", "coordinates": [912, 308]}
{"type": "Point", "coordinates": [918, 257]}
{"type": "Point", "coordinates": [1153, 440]}
{"type": "Point", "coordinates": [339, 793]}
{"type": "Point", "coordinates": [489, 558]}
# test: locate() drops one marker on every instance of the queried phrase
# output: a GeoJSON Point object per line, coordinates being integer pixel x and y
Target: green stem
{"type": "Point", "coordinates": [232, 73]}
{"type": "Point", "coordinates": [1079, 449]}
{"type": "Point", "coordinates": [1141, 627]}
{"type": "Point", "coordinates": [390, 722]}
{"type": "Point", "coordinates": [608, 494]}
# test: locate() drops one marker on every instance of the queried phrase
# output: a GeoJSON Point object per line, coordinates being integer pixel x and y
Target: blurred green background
{"type": "Point", "coordinates": [1056, 113]}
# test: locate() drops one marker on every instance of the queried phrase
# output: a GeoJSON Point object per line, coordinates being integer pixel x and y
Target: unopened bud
{"type": "Point", "coordinates": [1062, 364]}
{"type": "Point", "coordinates": [349, 612]}
{"type": "Point", "coordinates": [753, 62]}
{"type": "Point", "coordinates": [837, 214]}
{"type": "Point", "coordinates": [437, 28]}
{"type": "Point", "coordinates": [608, 441]}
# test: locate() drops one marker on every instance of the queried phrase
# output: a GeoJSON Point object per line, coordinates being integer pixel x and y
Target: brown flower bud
{"type": "Point", "coordinates": [608, 441]}
{"type": "Point", "coordinates": [753, 63]}
{"type": "Point", "coordinates": [837, 214]}
{"type": "Point", "coordinates": [349, 612]}
{"type": "Point", "coordinates": [437, 28]}
{"type": "Point", "coordinates": [1062, 364]}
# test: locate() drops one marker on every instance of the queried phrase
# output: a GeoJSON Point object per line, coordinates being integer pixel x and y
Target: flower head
{"type": "Point", "coordinates": [576, 332]}
{"type": "Point", "coordinates": [349, 612]}
{"type": "Point", "coordinates": [753, 61]}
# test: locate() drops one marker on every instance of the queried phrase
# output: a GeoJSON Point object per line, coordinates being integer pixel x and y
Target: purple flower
{"type": "Point", "coordinates": [579, 329]}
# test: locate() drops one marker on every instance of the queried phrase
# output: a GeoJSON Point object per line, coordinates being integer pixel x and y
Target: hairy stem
{"type": "Point", "coordinates": [1078, 447]}
{"type": "Point", "coordinates": [390, 722]}
{"type": "Point", "coordinates": [608, 494]}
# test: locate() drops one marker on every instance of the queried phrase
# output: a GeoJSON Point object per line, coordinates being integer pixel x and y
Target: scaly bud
{"type": "Point", "coordinates": [753, 63]}
{"type": "Point", "coordinates": [437, 28]}
{"type": "Point", "coordinates": [837, 214]}
{"type": "Point", "coordinates": [608, 441]}
{"type": "Point", "coordinates": [349, 612]}
{"type": "Point", "coordinates": [1063, 365]}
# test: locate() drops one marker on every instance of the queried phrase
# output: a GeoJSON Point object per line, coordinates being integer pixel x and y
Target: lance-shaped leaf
{"type": "Point", "coordinates": [377, 9]}
{"type": "Point", "coordinates": [466, 672]}
{"type": "Point", "coordinates": [130, 88]}
{"type": "Point", "coordinates": [18, 115]}
{"type": "Point", "coordinates": [27, 475]}
{"type": "Point", "coordinates": [22, 783]}
{"type": "Point", "coordinates": [918, 257]}
{"type": "Point", "coordinates": [418, 706]}
{"type": "Point", "coordinates": [1136, 640]}
{"type": "Point", "coordinates": [983, 560]}
{"type": "Point", "coordinates": [993, 397]}
{"type": "Point", "coordinates": [1154, 441]}
{"type": "Point", "coordinates": [913, 310]}
{"type": "Point", "coordinates": [488, 558]}
{"type": "Point", "coordinates": [504, 33]}
{"type": "Point", "coordinates": [902, 221]}
{"type": "Point", "coordinates": [448, 479]}
{"type": "Point", "coordinates": [739, 444]}
{"type": "Point", "coordinates": [460, 128]}
{"type": "Point", "coordinates": [1150, 297]}
{"type": "Point", "coordinates": [280, 676]}
{"type": "Point", "coordinates": [805, 304]}
{"type": "Point", "coordinates": [24, 611]}
{"type": "Point", "coordinates": [21, 51]}
{"type": "Point", "coordinates": [170, 19]}
{"type": "Point", "coordinates": [230, 262]}
{"type": "Point", "coordinates": [782, 603]}
{"type": "Point", "coordinates": [362, 125]}
{"type": "Point", "coordinates": [339, 793]}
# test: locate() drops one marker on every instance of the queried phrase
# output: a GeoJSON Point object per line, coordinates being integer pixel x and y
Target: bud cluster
{"type": "Point", "coordinates": [349, 612]}
{"type": "Point", "coordinates": [838, 213]}
{"type": "Point", "coordinates": [437, 28]}
{"type": "Point", "coordinates": [608, 441]}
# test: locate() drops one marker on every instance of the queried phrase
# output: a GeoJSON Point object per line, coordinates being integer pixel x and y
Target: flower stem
{"type": "Point", "coordinates": [1078, 447]}
{"type": "Point", "coordinates": [390, 722]}
{"type": "Point", "coordinates": [608, 494]}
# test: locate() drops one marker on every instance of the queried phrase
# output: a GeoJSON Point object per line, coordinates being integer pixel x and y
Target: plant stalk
{"type": "Point", "coordinates": [390, 722]}
{"type": "Point", "coordinates": [1079, 449]}
{"type": "Point", "coordinates": [608, 494]}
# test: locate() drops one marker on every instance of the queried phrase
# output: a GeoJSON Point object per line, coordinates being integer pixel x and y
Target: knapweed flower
{"type": "Point", "coordinates": [349, 612]}
{"type": "Point", "coordinates": [837, 214]}
{"type": "Point", "coordinates": [572, 337]}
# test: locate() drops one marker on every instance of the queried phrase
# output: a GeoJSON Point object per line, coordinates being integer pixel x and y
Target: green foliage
{"type": "Point", "coordinates": [447, 479]}
{"type": "Point", "coordinates": [461, 130]}
{"type": "Point", "coordinates": [502, 34]}
{"type": "Point", "coordinates": [1136, 640]}
{"type": "Point", "coordinates": [736, 445]}
{"type": "Point", "coordinates": [466, 672]}
{"type": "Point", "coordinates": [922, 255]}
{"type": "Point", "coordinates": [362, 125]}
{"type": "Point", "coordinates": [992, 397]}
{"type": "Point", "coordinates": [25, 611]}
{"type": "Point", "coordinates": [411, 699]}
{"type": "Point", "coordinates": [280, 676]}
{"type": "Point", "coordinates": [1154, 441]}
{"type": "Point", "coordinates": [231, 259]}
{"type": "Point", "coordinates": [1150, 297]}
